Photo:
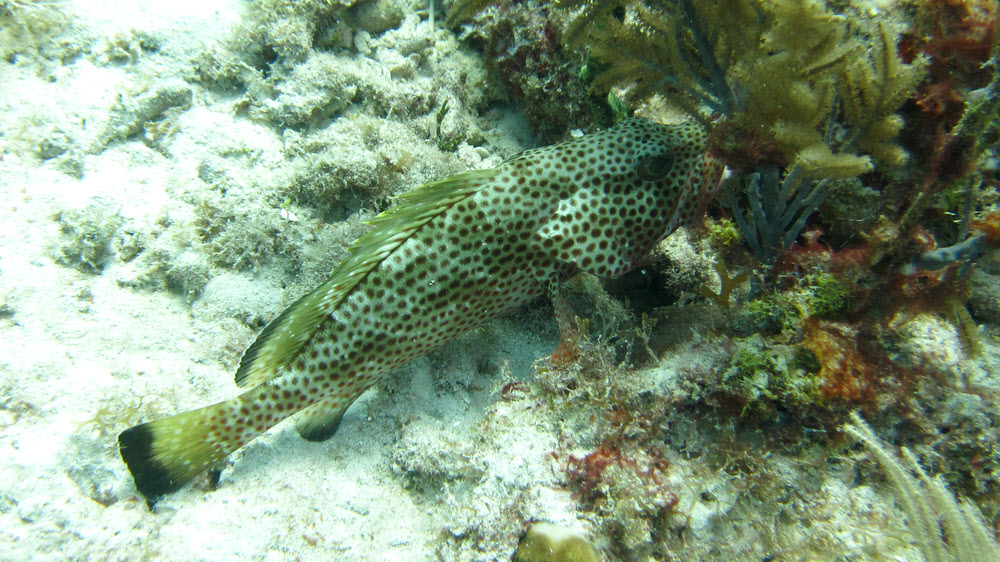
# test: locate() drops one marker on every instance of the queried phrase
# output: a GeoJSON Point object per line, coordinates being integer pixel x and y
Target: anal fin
{"type": "Point", "coordinates": [320, 421]}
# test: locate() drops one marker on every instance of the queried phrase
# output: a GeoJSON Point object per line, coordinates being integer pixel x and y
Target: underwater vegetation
{"type": "Point", "coordinates": [945, 528]}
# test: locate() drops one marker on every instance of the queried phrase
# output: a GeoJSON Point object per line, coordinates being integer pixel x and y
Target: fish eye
{"type": "Point", "coordinates": [654, 166]}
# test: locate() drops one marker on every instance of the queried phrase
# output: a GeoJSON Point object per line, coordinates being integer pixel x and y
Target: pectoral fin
{"type": "Point", "coordinates": [320, 421]}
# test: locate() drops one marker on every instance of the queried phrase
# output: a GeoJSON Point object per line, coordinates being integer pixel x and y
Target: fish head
{"type": "Point", "coordinates": [671, 163]}
{"type": "Point", "coordinates": [639, 181]}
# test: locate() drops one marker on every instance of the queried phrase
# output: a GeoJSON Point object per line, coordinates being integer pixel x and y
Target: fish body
{"type": "Point", "coordinates": [451, 255]}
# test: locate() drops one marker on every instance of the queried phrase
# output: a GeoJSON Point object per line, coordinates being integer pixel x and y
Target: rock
{"type": "Point", "coordinates": [547, 542]}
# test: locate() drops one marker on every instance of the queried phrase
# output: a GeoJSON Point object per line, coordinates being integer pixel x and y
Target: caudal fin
{"type": "Point", "coordinates": [166, 454]}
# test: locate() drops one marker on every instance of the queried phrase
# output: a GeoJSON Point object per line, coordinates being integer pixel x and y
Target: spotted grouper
{"type": "Point", "coordinates": [451, 255]}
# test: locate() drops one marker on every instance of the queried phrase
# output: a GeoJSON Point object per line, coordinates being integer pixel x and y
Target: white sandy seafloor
{"type": "Point", "coordinates": [119, 304]}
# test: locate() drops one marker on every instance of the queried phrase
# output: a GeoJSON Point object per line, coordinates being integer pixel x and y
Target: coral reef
{"type": "Point", "coordinates": [524, 52]}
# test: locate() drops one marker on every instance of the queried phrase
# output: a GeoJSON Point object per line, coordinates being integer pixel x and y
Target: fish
{"type": "Point", "coordinates": [449, 256]}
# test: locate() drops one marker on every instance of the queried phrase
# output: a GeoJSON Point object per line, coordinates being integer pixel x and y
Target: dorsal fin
{"type": "Point", "coordinates": [284, 336]}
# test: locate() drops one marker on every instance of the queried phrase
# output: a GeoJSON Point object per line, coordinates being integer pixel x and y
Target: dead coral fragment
{"type": "Point", "coordinates": [243, 239]}
{"type": "Point", "coordinates": [131, 115]}
{"type": "Point", "coordinates": [546, 542]}
{"type": "Point", "coordinates": [87, 236]}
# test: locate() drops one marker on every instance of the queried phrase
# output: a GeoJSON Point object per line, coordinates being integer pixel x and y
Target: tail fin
{"type": "Point", "coordinates": [166, 454]}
